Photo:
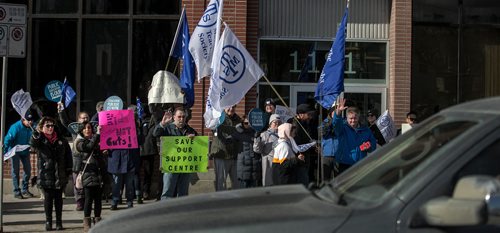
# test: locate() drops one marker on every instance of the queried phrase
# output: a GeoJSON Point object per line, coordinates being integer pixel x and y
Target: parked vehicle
{"type": "Point", "coordinates": [441, 176]}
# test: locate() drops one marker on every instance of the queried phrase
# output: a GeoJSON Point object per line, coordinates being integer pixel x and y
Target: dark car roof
{"type": "Point", "coordinates": [488, 105]}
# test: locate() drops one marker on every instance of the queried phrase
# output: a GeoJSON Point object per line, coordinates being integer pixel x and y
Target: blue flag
{"type": "Point", "coordinates": [140, 109]}
{"type": "Point", "coordinates": [181, 51]}
{"type": "Point", "coordinates": [67, 93]}
{"type": "Point", "coordinates": [331, 81]}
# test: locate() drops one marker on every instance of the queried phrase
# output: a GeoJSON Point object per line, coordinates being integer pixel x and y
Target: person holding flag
{"type": "Point", "coordinates": [19, 134]}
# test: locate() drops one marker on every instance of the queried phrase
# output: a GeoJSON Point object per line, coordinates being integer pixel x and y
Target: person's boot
{"type": "Point", "coordinates": [97, 219]}
{"type": "Point", "coordinates": [86, 224]}
{"type": "Point", "coordinates": [48, 225]}
{"type": "Point", "coordinates": [59, 226]}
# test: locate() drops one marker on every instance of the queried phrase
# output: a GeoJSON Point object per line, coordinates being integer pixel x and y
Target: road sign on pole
{"type": "Point", "coordinates": [13, 30]}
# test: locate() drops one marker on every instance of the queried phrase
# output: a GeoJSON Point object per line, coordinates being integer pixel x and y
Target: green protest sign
{"type": "Point", "coordinates": [180, 154]}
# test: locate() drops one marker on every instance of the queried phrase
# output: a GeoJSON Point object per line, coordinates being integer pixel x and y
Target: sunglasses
{"type": "Point", "coordinates": [245, 123]}
{"type": "Point", "coordinates": [412, 119]}
{"type": "Point", "coordinates": [49, 126]}
{"type": "Point", "coordinates": [370, 115]}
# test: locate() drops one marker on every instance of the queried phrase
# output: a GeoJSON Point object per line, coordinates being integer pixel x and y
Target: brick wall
{"type": "Point", "coordinates": [237, 14]}
{"type": "Point", "coordinates": [400, 59]}
{"type": "Point", "coordinates": [7, 164]}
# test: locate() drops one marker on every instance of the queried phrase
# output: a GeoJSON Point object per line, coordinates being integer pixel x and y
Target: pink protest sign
{"type": "Point", "coordinates": [118, 129]}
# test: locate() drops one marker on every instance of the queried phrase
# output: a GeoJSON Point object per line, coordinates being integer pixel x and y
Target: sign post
{"type": "Point", "coordinates": [12, 28]}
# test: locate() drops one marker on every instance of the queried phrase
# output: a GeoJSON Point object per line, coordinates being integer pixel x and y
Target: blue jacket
{"type": "Point", "coordinates": [330, 143]}
{"type": "Point", "coordinates": [18, 134]}
{"type": "Point", "coordinates": [349, 140]}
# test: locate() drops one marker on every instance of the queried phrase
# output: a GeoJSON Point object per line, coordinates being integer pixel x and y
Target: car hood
{"type": "Point", "coordinates": [290, 208]}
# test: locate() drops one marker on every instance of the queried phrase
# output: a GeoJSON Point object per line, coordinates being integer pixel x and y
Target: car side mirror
{"type": "Point", "coordinates": [444, 211]}
{"type": "Point", "coordinates": [468, 205]}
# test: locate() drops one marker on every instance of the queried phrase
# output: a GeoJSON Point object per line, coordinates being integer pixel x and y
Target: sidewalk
{"type": "Point", "coordinates": [27, 215]}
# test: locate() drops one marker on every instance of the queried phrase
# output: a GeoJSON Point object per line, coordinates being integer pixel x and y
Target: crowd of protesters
{"type": "Point", "coordinates": [283, 151]}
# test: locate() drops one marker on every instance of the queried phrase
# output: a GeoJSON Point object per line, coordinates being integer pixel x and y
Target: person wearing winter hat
{"type": "Point", "coordinates": [19, 134]}
{"type": "Point", "coordinates": [270, 106]}
{"type": "Point", "coordinates": [263, 144]}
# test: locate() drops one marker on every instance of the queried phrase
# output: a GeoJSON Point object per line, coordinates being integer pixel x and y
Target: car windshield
{"type": "Point", "coordinates": [372, 181]}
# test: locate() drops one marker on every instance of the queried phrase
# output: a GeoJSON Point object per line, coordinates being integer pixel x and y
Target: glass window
{"type": "Point", "coordinates": [364, 102]}
{"type": "Point", "coordinates": [152, 42]}
{"type": "Point", "coordinates": [53, 57]}
{"type": "Point", "coordinates": [156, 7]}
{"type": "Point", "coordinates": [104, 68]}
{"type": "Point", "coordinates": [105, 7]}
{"type": "Point", "coordinates": [265, 91]}
{"type": "Point", "coordinates": [401, 162]}
{"type": "Point", "coordinates": [303, 61]}
{"type": "Point", "coordinates": [55, 6]}
{"type": "Point", "coordinates": [434, 69]}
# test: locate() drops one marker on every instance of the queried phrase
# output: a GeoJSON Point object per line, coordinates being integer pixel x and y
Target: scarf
{"type": "Point", "coordinates": [51, 137]}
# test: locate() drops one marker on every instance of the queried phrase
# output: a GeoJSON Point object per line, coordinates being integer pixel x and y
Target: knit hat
{"type": "Point", "coordinates": [274, 117]}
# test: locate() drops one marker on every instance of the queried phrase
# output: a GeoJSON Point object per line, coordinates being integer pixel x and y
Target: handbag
{"type": "Point", "coordinates": [79, 177]}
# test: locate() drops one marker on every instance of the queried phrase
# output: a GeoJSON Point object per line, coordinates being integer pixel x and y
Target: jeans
{"type": "Point", "coordinates": [25, 159]}
{"type": "Point", "coordinates": [175, 185]}
{"type": "Point", "coordinates": [223, 169]}
{"type": "Point", "coordinates": [118, 181]}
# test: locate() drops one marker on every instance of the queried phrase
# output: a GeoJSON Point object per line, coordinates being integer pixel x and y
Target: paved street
{"type": "Point", "coordinates": [27, 215]}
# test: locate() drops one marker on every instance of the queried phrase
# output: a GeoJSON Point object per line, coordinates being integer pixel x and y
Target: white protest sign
{"type": "Point", "coordinates": [165, 88]}
{"type": "Point", "coordinates": [284, 112]}
{"type": "Point", "coordinates": [12, 152]}
{"type": "Point", "coordinates": [21, 101]}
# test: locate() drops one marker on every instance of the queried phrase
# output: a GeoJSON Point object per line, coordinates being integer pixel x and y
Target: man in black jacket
{"type": "Point", "coordinates": [174, 184]}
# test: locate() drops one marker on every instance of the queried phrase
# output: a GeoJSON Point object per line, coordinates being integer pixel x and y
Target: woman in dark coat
{"type": "Point", "coordinates": [54, 167]}
{"type": "Point", "coordinates": [249, 164]}
{"type": "Point", "coordinates": [93, 165]}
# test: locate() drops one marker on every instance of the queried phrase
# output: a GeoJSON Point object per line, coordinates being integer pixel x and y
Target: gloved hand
{"type": "Point", "coordinates": [36, 134]}
{"type": "Point", "coordinates": [365, 146]}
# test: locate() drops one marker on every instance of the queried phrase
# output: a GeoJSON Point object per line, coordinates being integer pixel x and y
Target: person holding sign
{"type": "Point", "coordinates": [19, 134]}
{"type": "Point", "coordinates": [93, 166]}
{"type": "Point", "coordinates": [174, 184]}
{"type": "Point", "coordinates": [54, 167]}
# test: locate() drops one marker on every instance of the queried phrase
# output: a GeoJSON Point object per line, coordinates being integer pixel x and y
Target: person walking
{"type": "Point", "coordinates": [93, 166]}
{"type": "Point", "coordinates": [54, 167]}
{"type": "Point", "coordinates": [174, 184]}
{"type": "Point", "coordinates": [19, 134]}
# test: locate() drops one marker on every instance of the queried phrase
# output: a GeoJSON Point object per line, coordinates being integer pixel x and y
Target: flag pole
{"type": "Point", "coordinates": [284, 103]}
{"type": "Point", "coordinates": [176, 35]}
